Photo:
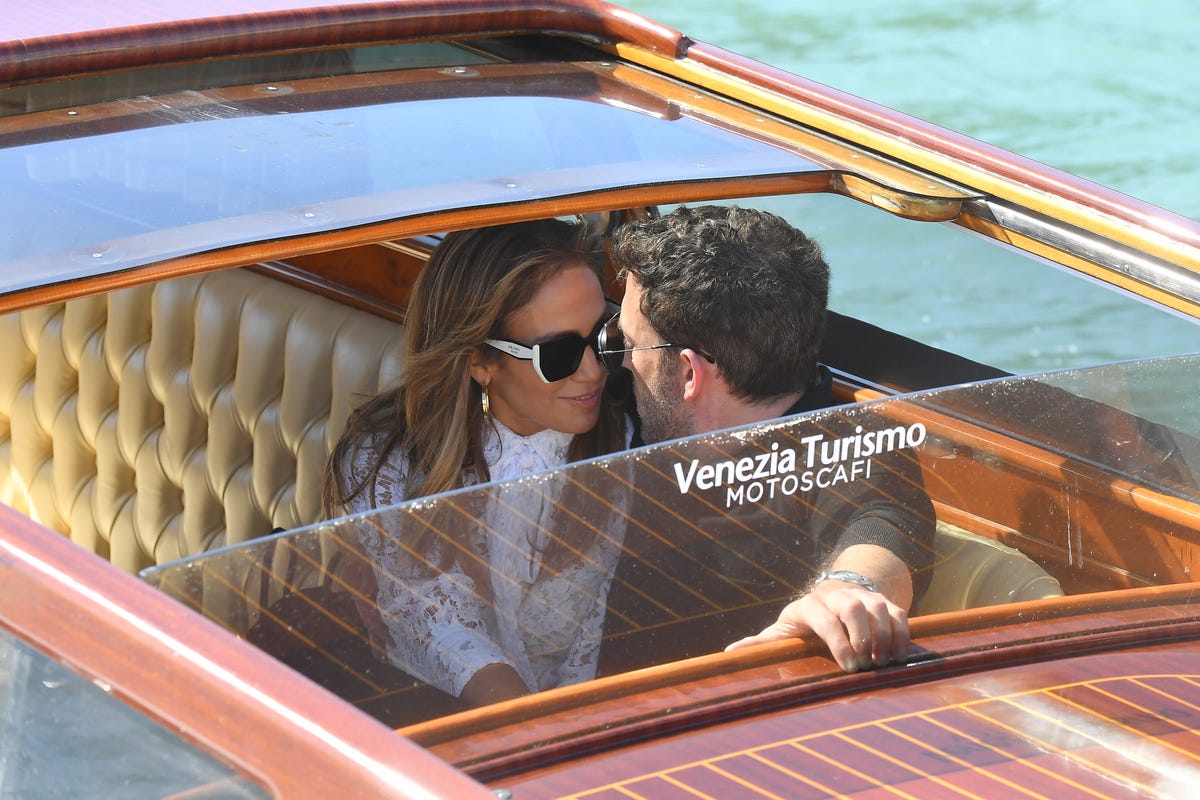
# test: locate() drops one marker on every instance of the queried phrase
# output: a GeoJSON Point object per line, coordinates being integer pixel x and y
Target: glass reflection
{"type": "Point", "coordinates": [61, 736]}
{"type": "Point", "coordinates": [1037, 489]}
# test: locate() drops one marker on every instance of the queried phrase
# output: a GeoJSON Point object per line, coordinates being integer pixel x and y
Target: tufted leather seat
{"type": "Point", "coordinates": [972, 571]}
{"type": "Point", "coordinates": [161, 421]}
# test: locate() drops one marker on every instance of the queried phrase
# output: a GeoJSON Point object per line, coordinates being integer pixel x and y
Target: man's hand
{"type": "Point", "coordinates": [862, 628]}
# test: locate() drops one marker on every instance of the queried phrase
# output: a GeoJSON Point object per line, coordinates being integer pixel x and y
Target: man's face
{"type": "Point", "coordinates": [657, 379]}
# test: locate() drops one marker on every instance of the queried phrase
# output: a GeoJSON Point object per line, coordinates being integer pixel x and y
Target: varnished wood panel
{"type": "Point", "coordinates": [1116, 726]}
{"type": "Point", "coordinates": [376, 277]}
{"type": "Point", "coordinates": [1095, 527]}
{"type": "Point", "coordinates": [62, 38]}
{"type": "Point", "coordinates": [501, 742]}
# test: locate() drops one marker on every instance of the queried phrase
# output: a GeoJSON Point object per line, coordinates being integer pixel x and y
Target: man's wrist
{"type": "Point", "coordinates": [846, 576]}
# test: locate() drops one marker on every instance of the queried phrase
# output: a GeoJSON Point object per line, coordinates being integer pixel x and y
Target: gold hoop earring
{"type": "Point", "coordinates": [486, 402]}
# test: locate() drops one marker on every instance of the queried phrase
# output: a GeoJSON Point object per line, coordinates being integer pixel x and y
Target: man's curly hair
{"type": "Point", "coordinates": [739, 284]}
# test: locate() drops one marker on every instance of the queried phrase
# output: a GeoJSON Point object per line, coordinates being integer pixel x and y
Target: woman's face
{"type": "Point", "coordinates": [571, 301]}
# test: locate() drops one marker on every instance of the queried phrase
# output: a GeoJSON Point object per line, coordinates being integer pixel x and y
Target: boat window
{"type": "Point", "coordinates": [959, 293]}
{"type": "Point", "coordinates": [1069, 482]}
{"type": "Point", "coordinates": [61, 736]}
{"type": "Point", "coordinates": [101, 188]}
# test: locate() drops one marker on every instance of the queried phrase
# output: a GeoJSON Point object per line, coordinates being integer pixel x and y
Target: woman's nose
{"type": "Point", "coordinates": [589, 368]}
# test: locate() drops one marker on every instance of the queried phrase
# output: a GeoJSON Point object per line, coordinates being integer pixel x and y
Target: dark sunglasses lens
{"type": "Point", "coordinates": [559, 358]}
{"type": "Point", "coordinates": [610, 344]}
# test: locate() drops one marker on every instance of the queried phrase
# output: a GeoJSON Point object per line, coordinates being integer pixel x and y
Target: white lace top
{"type": "Point", "coordinates": [546, 624]}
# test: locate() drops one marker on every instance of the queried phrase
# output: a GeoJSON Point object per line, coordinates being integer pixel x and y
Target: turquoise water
{"type": "Point", "coordinates": [1107, 89]}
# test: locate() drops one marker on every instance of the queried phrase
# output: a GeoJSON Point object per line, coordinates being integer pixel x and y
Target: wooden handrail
{"type": "Point", "coordinates": [491, 741]}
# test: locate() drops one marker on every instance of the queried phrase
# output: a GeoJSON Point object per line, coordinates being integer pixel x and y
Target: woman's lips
{"type": "Point", "coordinates": [585, 400]}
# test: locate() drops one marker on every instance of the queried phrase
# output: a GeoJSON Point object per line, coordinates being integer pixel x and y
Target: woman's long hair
{"type": "Point", "coordinates": [472, 283]}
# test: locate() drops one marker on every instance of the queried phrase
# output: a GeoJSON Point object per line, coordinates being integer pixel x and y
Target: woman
{"type": "Point", "coordinates": [502, 379]}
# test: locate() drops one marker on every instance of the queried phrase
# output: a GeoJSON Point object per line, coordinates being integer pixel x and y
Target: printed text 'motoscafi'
{"type": "Point", "coordinates": [822, 462]}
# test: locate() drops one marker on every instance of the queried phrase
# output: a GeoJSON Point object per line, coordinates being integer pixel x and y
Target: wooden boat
{"type": "Point", "coordinates": [212, 220]}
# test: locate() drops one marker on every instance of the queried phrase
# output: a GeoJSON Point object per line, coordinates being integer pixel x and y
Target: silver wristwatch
{"type": "Point", "coordinates": [847, 576]}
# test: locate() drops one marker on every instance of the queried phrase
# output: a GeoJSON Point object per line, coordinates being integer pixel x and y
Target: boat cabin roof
{"type": "Point", "coordinates": [141, 146]}
{"type": "Point", "coordinates": [125, 170]}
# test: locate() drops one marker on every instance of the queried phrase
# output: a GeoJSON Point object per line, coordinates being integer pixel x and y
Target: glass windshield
{"type": "Point", "coordinates": [1070, 482]}
{"type": "Point", "coordinates": [61, 736]}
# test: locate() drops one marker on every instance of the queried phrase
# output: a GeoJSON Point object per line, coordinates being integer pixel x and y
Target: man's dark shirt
{"type": "Point", "coordinates": [697, 579]}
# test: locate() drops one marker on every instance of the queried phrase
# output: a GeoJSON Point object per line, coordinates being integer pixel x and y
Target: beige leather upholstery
{"type": "Point", "coordinates": [972, 571]}
{"type": "Point", "coordinates": [161, 421]}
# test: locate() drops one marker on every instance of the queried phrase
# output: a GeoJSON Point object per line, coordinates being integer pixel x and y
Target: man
{"type": "Point", "coordinates": [722, 320]}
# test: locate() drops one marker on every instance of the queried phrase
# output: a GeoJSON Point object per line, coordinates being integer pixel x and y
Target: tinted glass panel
{"type": "Point", "coordinates": [61, 736]}
{"type": "Point", "coordinates": [137, 181]}
{"type": "Point", "coordinates": [676, 550]}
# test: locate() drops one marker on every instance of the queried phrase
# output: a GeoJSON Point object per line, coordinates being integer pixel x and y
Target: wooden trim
{"type": "Point", "coordinates": [314, 282]}
{"type": "Point", "coordinates": [127, 35]}
{"type": "Point", "coordinates": [222, 694]}
{"type": "Point", "coordinates": [552, 726]}
{"type": "Point", "coordinates": [862, 175]}
{"type": "Point", "coordinates": [377, 278]}
{"type": "Point", "coordinates": [1175, 296]}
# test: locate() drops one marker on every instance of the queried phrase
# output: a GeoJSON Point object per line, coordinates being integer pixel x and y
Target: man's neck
{"type": "Point", "coordinates": [736, 411]}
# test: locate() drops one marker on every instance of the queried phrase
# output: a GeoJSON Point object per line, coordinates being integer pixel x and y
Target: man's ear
{"type": "Point", "coordinates": [698, 375]}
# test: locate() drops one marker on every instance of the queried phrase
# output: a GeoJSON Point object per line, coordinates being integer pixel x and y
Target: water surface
{"type": "Point", "coordinates": [1107, 90]}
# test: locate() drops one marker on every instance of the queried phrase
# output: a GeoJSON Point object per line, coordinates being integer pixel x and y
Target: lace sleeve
{"type": "Point", "coordinates": [437, 626]}
{"type": "Point", "coordinates": [582, 658]}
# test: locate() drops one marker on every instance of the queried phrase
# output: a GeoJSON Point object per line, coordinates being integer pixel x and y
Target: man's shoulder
{"type": "Point", "coordinates": [818, 395]}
